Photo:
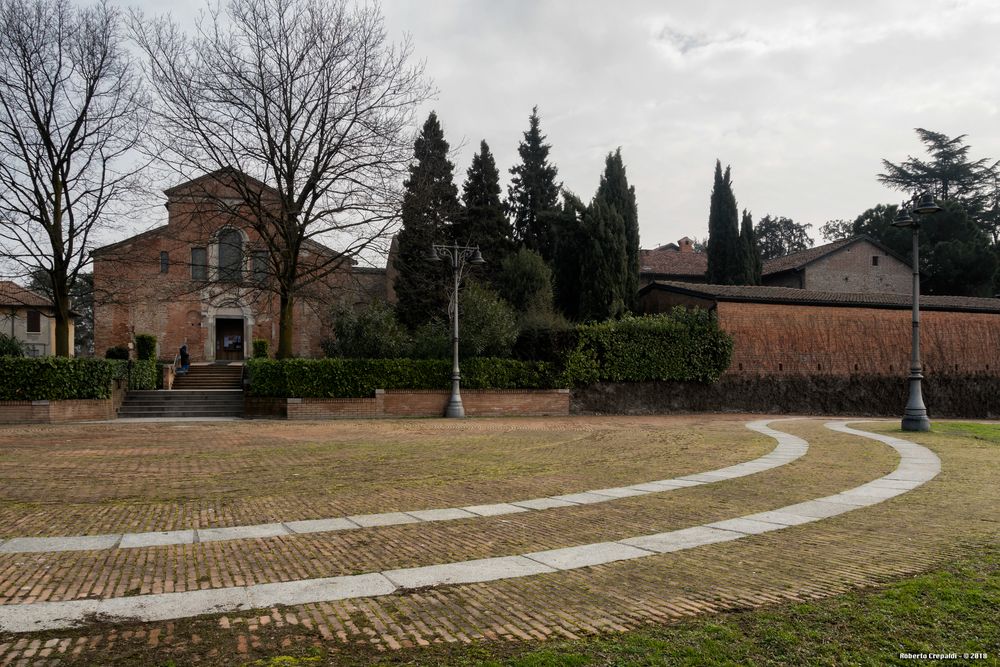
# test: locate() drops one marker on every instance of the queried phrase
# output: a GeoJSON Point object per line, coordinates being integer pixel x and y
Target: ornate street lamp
{"type": "Point", "coordinates": [915, 415]}
{"type": "Point", "coordinates": [459, 256]}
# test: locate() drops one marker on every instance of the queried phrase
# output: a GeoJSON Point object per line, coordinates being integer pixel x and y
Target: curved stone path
{"type": "Point", "coordinates": [788, 449]}
{"type": "Point", "coordinates": [917, 465]}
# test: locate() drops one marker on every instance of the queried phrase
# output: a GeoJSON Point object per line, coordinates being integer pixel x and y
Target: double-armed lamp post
{"type": "Point", "coordinates": [459, 256]}
{"type": "Point", "coordinates": [915, 415]}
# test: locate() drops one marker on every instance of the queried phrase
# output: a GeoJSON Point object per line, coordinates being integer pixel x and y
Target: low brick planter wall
{"type": "Point", "coordinates": [406, 403]}
{"type": "Point", "coordinates": [52, 412]}
{"type": "Point", "coordinates": [49, 412]}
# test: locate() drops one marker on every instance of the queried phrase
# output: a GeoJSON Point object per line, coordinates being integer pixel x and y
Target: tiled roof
{"type": "Point", "coordinates": [12, 294]}
{"type": "Point", "coordinates": [790, 295]}
{"type": "Point", "coordinates": [797, 260]}
{"type": "Point", "coordinates": [672, 263]}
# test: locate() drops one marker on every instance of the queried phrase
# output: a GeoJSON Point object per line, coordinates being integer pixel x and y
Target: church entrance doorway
{"type": "Point", "coordinates": [229, 339]}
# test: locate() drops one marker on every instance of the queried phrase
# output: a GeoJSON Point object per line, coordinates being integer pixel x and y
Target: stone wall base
{"type": "Point", "coordinates": [968, 396]}
{"type": "Point", "coordinates": [405, 403]}
{"type": "Point", "coordinates": [53, 412]}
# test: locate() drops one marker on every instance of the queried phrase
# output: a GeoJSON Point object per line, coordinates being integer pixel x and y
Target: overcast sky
{"type": "Point", "coordinates": [802, 98]}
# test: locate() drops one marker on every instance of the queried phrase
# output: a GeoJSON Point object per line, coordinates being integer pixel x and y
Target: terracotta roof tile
{"type": "Point", "coordinates": [672, 263]}
{"type": "Point", "coordinates": [12, 294]}
{"type": "Point", "coordinates": [790, 295]}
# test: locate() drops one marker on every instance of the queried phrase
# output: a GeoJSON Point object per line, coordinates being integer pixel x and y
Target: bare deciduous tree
{"type": "Point", "coordinates": [309, 97]}
{"type": "Point", "coordinates": [70, 114]}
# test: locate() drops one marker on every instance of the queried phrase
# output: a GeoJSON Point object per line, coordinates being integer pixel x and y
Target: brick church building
{"type": "Point", "coordinates": [201, 280]}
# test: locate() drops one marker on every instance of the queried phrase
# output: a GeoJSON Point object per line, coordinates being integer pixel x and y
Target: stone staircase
{"type": "Point", "coordinates": [211, 376]}
{"type": "Point", "coordinates": [213, 390]}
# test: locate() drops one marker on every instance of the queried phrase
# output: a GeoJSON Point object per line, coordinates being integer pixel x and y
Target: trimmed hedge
{"type": "Point", "coordinates": [145, 347]}
{"type": "Point", "coordinates": [684, 345]}
{"type": "Point", "coordinates": [54, 378]}
{"type": "Point", "coordinates": [143, 375]}
{"type": "Point", "coordinates": [355, 378]}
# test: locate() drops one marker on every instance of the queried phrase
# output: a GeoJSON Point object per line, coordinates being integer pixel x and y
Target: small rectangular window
{"type": "Point", "coordinates": [874, 260]}
{"type": "Point", "coordinates": [34, 321]}
{"type": "Point", "coordinates": [164, 261]}
{"type": "Point", "coordinates": [199, 264]}
{"type": "Point", "coordinates": [260, 266]}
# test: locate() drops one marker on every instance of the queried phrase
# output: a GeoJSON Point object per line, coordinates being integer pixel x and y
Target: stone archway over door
{"type": "Point", "coordinates": [230, 341]}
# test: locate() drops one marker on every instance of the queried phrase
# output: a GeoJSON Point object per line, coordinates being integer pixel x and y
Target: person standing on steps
{"type": "Point", "coordinates": [185, 359]}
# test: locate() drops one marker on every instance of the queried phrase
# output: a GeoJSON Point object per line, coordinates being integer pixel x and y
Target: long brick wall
{"type": "Point", "coordinates": [777, 339]}
{"type": "Point", "coordinates": [50, 412]}
{"type": "Point", "coordinates": [406, 403]}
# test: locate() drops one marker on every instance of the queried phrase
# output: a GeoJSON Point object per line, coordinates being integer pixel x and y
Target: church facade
{"type": "Point", "coordinates": [203, 280]}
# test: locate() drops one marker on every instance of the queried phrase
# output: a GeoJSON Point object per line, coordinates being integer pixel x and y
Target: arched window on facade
{"type": "Point", "coordinates": [230, 256]}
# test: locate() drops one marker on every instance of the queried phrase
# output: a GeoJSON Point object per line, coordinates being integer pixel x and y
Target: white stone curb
{"type": "Point", "coordinates": [788, 449]}
{"type": "Point", "coordinates": [922, 465]}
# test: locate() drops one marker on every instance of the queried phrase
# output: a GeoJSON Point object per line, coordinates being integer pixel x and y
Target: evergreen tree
{"type": "Point", "coordinates": [753, 263]}
{"type": "Point", "coordinates": [601, 262]}
{"type": "Point", "coordinates": [484, 223]}
{"type": "Point", "coordinates": [430, 208]}
{"type": "Point", "coordinates": [533, 193]}
{"type": "Point", "coordinates": [567, 267]}
{"type": "Point", "coordinates": [725, 257]}
{"type": "Point", "coordinates": [615, 190]}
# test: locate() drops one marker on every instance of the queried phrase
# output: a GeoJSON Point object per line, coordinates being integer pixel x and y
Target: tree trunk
{"type": "Point", "coordinates": [64, 344]}
{"type": "Point", "coordinates": [286, 325]}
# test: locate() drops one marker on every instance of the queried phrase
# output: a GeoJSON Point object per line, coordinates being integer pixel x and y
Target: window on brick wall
{"type": "Point", "coordinates": [164, 261]}
{"type": "Point", "coordinates": [230, 256]}
{"type": "Point", "coordinates": [199, 264]}
{"type": "Point", "coordinates": [34, 321]}
{"type": "Point", "coordinates": [874, 260]}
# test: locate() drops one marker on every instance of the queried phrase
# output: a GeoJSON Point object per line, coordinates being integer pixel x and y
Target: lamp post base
{"type": "Point", "coordinates": [455, 408]}
{"type": "Point", "coordinates": [916, 423]}
{"type": "Point", "coordinates": [915, 414]}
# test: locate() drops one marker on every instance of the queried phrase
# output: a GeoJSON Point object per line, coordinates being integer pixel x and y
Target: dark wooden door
{"type": "Point", "coordinates": [229, 339]}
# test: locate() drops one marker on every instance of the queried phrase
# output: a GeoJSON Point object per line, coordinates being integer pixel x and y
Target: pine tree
{"type": "Point", "coordinates": [615, 190]}
{"type": "Point", "coordinates": [430, 208]}
{"type": "Point", "coordinates": [533, 193]}
{"type": "Point", "coordinates": [725, 259]}
{"type": "Point", "coordinates": [753, 264]}
{"type": "Point", "coordinates": [484, 223]}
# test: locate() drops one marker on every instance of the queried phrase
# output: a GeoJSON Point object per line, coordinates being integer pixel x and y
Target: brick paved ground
{"type": "Point", "coordinates": [157, 477]}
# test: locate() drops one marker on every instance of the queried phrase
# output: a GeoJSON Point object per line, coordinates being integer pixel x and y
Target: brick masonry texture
{"type": "Point", "coordinates": [53, 412]}
{"type": "Point", "coordinates": [921, 529]}
{"type": "Point", "coordinates": [777, 338]}
{"type": "Point", "coordinates": [133, 295]}
{"type": "Point", "coordinates": [405, 403]}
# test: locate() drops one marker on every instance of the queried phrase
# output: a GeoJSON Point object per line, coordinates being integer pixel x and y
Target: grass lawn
{"type": "Point", "coordinates": [947, 611]}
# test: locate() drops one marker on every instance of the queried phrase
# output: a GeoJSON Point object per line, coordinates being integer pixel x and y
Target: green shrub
{"type": "Point", "coordinates": [10, 346]}
{"type": "Point", "coordinates": [343, 378]}
{"type": "Point", "coordinates": [141, 375]}
{"type": "Point", "coordinates": [54, 378]}
{"type": "Point", "coordinates": [145, 347]}
{"type": "Point", "coordinates": [260, 348]}
{"type": "Point", "coordinates": [117, 352]}
{"type": "Point", "coordinates": [432, 340]}
{"type": "Point", "coordinates": [372, 332]}
{"type": "Point", "coordinates": [488, 323]}
{"type": "Point", "coordinates": [684, 345]}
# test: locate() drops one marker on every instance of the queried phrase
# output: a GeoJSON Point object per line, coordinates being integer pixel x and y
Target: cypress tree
{"type": "Point", "coordinates": [615, 190]}
{"type": "Point", "coordinates": [753, 263]}
{"type": "Point", "coordinates": [600, 257]}
{"type": "Point", "coordinates": [567, 267]}
{"type": "Point", "coordinates": [430, 208]}
{"type": "Point", "coordinates": [533, 193]}
{"type": "Point", "coordinates": [726, 262]}
{"type": "Point", "coordinates": [484, 223]}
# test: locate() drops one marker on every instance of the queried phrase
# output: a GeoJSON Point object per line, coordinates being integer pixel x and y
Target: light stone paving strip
{"type": "Point", "coordinates": [788, 449]}
{"type": "Point", "coordinates": [920, 464]}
